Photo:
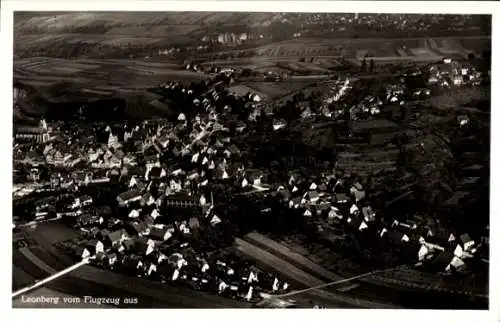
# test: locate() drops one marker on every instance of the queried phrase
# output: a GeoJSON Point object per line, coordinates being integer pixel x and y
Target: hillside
{"type": "Point", "coordinates": [125, 34]}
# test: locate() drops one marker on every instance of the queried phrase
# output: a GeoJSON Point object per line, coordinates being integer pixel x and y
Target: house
{"type": "Point", "coordinates": [148, 199]}
{"type": "Point", "coordinates": [131, 264]}
{"type": "Point", "coordinates": [183, 200]}
{"type": "Point", "coordinates": [359, 195]}
{"type": "Point", "coordinates": [161, 234]}
{"type": "Point", "coordinates": [136, 228]}
{"type": "Point", "coordinates": [397, 237]}
{"type": "Point", "coordinates": [134, 213]}
{"type": "Point", "coordinates": [87, 219]}
{"type": "Point", "coordinates": [138, 246]}
{"type": "Point", "coordinates": [342, 198]}
{"type": "Point", "coordinates": [463, 120]}
{"type": "Point", "coordinates": [423, 252]}
{"type": "Point", "coordinates": [116, 237]}
{"type": "Point", "coordinates": [194, 223]}
{"type": "Point", "coordinates": [466, 241]}
{"type": "Point", "coordinates": [94, 246]}
{"type": "Point", "coordinates": [334, 213]}
{"type": "Point", "coordinates": [86, 200]}
{"type": "Point", "coordinates": [155, 214]}
{"type": "Point", "coordinates": [157, 173]}
{"type": "Point", "coordinates": [362, 226]}
{"type": "Point", "coordinates": [368, 213]}
{"type": "Point", "coordinates": [442, 261]}
{"type": "Point", "coordinates": [354, 210]}
{"type": "Point", "coordinates": [313, 196]}
{"type": "Point", "coordinates": [112, 259]}
{"type": "Point", "coordinates": [85, 253]}
{"type": "Point", "coordinates": [215, 220]}
{"type": "Point", "coordinates": [94, 232]}
{"type": "Point", "coordinates": [128, 197]}
{"type": "Point", "coordinates": [456, 264]}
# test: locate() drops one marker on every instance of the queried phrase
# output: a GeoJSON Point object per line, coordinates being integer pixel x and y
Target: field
{"type": "Point", "coordinates": [379, 49]}
{"type": "Point", "coordinates": [267, 259]}
{"type": "Point", "coordinates": [128, 74]}
{"type": "Point", "coordinates": [271, 90]}
{"type": "Point", "coordinates": [88, 80]}
{"type": "Point", "coordinates": [278, 248]}
{"type": "Point", "coordinates": [293, 267]}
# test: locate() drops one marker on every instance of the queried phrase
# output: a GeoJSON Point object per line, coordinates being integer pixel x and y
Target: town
{"type": "Point", "coordinates": [244, 197]}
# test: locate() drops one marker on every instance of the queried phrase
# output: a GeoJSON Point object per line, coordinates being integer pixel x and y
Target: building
{"type": "Point", "coordinates": [129, 196]}
{"type": "Point", "coordinates": [38, 134]}
{"type": "Point", "coordinates": [183, 200]}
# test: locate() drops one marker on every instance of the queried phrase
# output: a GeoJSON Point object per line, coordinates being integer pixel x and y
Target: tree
{"type": "Point", "coordinates": [363, 65]}
{"type": "Point", "coordinates": [372, 65]}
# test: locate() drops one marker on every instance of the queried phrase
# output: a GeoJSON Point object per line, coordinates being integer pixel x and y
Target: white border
{"type": "Point", "coordinates": [456, 7]}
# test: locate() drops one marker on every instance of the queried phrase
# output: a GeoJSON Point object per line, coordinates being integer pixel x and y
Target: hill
{"type": "Point", "coordinates": [124, 34]}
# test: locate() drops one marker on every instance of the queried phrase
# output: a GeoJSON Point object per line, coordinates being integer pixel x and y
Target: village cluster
{"type": "Point", "coordinates": [142, 194]}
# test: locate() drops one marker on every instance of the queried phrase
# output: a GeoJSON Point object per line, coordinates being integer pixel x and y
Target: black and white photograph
{"type": "Point", "coordinates": [250, 159]}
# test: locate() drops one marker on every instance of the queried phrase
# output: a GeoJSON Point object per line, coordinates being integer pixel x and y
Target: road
{"type": "Point", "coordinates": [299, 277]}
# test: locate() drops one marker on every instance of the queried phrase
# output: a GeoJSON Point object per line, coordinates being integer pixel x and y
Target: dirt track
{"type": "Point", "coordinates": [264, 241]}
{"type": "Point", "coordinates": [268, 259]}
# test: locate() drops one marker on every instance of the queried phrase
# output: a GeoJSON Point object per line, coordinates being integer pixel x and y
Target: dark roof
{"type": "Point", "coordinates": [155, 172]}
{"type": "Point", "coordinates": [443, 259]}
{"type": "Point", "coordinates": [395, 236]}
{"type": "Point", "coordinates": [413, 246]}
{"type": "Point", "coordinates": [130, 261]}
{"type": "Point", "coordinates": [127, 195]}
{"type": "Point", "coordinates": [341, 196]}
{"type": "Point", "coordinates": [116, 235]}
{"type": "Point", "coordinates": [85, 198]}
{"type": "Point", "coordinates": [183, 197]}
{"type": "Point", "coordinates": [129, 243]}
{"type": "Point", "coordinates": [89, 243]}
{"type": "Point", "coordinates": [148, 220]}
{"type": "Point", "coordinates": [140, 246]}
{"type": "Point", "coordinates": [139, 226]}
{"type": "Point", "coordinates": [119, 154]}
{"type": "Point", "coordinates": [367, 211]}
{"type": "Point", "coordinates": [465, 238]}
{"type": "Point", "coordinates": [157, 233]}
{"type": "Point", "coordinates": [233, 149]}
{"type": "Point", "coordinates": [30, 130]}
{"type": "Point", "coordinates": [355, 221]}
{"type": "Point", "coordinates": [194, 222]}
{"type": "Point", "coordinates": [105, 210]}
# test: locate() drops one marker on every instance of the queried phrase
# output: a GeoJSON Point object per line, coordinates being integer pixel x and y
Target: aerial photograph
{"type": "Point", "coordinates": [198, 159]}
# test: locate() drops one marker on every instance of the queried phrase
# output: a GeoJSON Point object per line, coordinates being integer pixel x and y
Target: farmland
{"type": "Point", "coordinates": [273, 91]}
{"type": "Point", "coordinates": [411, 48]}
{"type": "Point", "coordinates": [299, 270]}
{"type": "Point", "coordinates": [93, 74]}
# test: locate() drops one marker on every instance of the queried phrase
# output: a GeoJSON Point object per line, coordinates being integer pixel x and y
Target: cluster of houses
{"type": "Point", "coordinates": [347, 206]}
{"type": "Point", "coordinates": [451, 73]}
{"type": "Point", "coordinates": [37, 134]}
{"type": "Point", "coordinates": [162, 253]}
{"type": "Point", "coordinates": [166, 172]}
{"type": "Point", "coordinates": [161, 208]}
